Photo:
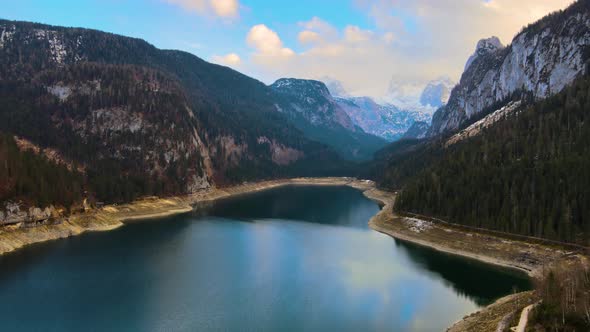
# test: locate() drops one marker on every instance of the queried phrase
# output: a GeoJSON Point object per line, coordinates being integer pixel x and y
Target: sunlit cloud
{"type": "Point", "coordinates": [309, 37]}
{"type": "Point", "coordinates": [407, 43]}
{"type": "Point", "coordinates": [267, 42]}
{"type": "Point", "coordinates": [219, 8]}
{"type": "Point", "coordinates": [231, 60]}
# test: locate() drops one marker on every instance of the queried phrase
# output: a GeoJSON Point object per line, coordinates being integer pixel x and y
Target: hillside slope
{"type": "Point", "coordinates": [527, 174]}
{"type": "Point", "coordinates": [521, 162]}
{"type": "Point", "coordinates": [140, 120]}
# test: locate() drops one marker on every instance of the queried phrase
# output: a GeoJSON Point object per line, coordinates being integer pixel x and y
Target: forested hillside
{"type": "Point", "coordinates": [144, 121]}
{"type": "Point", "coordinates": [527, 174]}
{"type": "Point", "coordinates": [27, 175]}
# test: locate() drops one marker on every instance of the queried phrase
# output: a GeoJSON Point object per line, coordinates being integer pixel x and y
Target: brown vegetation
{"type": "Point", "coordinates": [565, 294]}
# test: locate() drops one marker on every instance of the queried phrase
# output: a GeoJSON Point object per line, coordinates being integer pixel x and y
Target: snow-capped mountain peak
{"type": "Point", "coordinates": [437, 92]}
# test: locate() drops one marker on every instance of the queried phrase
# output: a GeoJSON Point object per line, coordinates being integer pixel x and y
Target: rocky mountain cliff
{"type": "Point", "coordinates": [136, 120]}
{"type": "Point", "coordinates": [309, 105]}
{"type": "Point", "coordinates": [541, 60]}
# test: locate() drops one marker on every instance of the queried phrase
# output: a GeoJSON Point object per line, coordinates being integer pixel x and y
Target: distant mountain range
{"type": "Point", "coordinates": [388, 119]}
{"type": "Point", "coordinates": [311, 108]}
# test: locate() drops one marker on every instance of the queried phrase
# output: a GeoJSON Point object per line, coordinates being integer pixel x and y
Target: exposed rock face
{"type": "Point", "coordinates": [312, 109]}
{"type": "Point", "coordinates": [52, 155]}
{"type": "Point", "coordinates": [484, 47]}
{"type": "Point", "coordinates": [418, 130]}
{"type": "Point", "coordinates": [487, 121]}
{"type": "Point", "coordinates": [313, 101]}
{"type": "Point", "coordinates": [13, 213]}
{"type": "Point", "coordinates": [281, 155]}
{"type": "Point", "coordinates": [542, 60]}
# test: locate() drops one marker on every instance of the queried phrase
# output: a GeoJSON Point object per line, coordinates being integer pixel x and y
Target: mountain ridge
{"type": "Point", "coordinates": [542, 59]}
{"type": "Point", "coordinates": [313, 110]}
{"type": "Point", "coordinates": [146, 121]}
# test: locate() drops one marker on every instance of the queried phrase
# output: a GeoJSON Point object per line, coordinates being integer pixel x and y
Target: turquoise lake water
{"type": "Point", "coordinates": [296, 258]}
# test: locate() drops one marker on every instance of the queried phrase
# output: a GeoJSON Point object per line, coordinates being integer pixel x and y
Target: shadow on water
{"type": "Point", "coordinates": [205, 271]}
{"type": "Point", "coordinates": [330, 205]}
{"type": "Point", "coordinates": [146, 233]}
{"type": "Point", "coordinates": [479, 281]}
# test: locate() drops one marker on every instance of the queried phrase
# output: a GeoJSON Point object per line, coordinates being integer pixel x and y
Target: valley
{"type": "Point", "coordinates": [470, 189]}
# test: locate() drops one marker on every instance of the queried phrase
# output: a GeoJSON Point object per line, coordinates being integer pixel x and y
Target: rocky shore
{"type": "Point", "coordinates": [526, 257]}
{"type": "Point", "coordinates": [18, 235]}
{"type": "Point", "coordinates": [522, 256]}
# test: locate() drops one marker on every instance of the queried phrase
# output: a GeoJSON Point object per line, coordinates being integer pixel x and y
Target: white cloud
{"type": "Point", "coordinates": [266, 42]}
{"type": "Point", "coordinates": [388, 37]}
{"type": "Point", "coordinates": [354, 34]}
{"type": "Point", "coordinates": [320, 26]}
{"type": "Point", "coordinates": [230, 60]}
{"type": "Point", "coordinates": [225, 8]}
{"type": "Point", "coordinates": [411, 41]}
{"type": "Point", "coordinates": [309, 37]}
{"type": "Point", "coordinates": [219, 8]}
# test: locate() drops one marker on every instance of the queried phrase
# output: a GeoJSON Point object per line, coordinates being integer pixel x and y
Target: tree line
{"type": "Point", "coordinates": [527, 174]}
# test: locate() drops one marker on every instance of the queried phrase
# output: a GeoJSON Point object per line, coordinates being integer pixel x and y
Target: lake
{"type": "Point", "coordinates": [295, 258]}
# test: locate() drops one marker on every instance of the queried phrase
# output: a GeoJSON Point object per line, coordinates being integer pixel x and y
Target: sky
{"type": "Point", "coordinates": [370, 46]}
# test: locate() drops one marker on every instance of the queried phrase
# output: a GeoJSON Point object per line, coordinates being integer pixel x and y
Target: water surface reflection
{"type": "Point", "coordinates": [289, 259]}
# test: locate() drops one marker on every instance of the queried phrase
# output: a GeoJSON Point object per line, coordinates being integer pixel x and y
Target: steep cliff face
{"type": "Point", "coordinates": [312, 101]}
{"type": "Point", "coordinates": [541, 60]}
{"type": "Point", "coordinates": [312, 109]}
{"type": "Point", "coordinates": [140, 120]}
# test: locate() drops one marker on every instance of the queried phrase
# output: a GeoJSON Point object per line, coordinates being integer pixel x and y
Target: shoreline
{"type": "Point", "coordinates": [494, 250]}
{"type": "Point", "coordinates": [388, 223]}
{"type": "Point", "coordinates": [516, 255]}
{"type": "Point", "coordinates": [111, 217]}
{"type": "Point", "coordinates": [385, 221]}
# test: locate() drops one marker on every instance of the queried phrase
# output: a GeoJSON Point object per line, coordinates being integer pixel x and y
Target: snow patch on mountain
{"type": "Point", "coordinates": [437, 92]}
{"type": "Point", "coordinates": [6, 35]}
{"type": "Point", "coordinates": [487, 121]}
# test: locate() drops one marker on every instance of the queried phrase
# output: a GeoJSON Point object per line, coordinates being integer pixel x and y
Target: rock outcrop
{"type": "Point", "coordinates": [13, 213]}
{"type": "Point", "coordinates": [541, 60]}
